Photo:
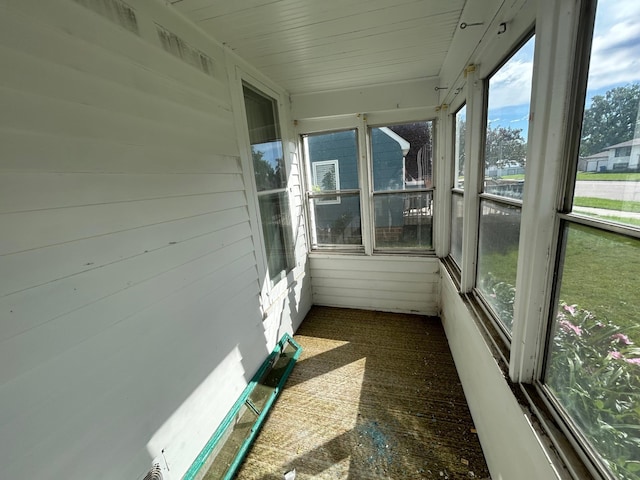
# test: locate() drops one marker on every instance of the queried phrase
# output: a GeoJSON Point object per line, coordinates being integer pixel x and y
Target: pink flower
{"type": "Point", "coordinates": [622, 338]}
{"type": "Point", "coordinates": [569, 327]}
{"type": "Point", "coordinates": [571, 309]}
{"type": "Point", "coordinates": [634, 361]}
{"type": "Point", "coordinates": [616, 355]}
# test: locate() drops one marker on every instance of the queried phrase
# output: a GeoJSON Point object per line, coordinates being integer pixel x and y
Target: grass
{"type": "Point", "coordinates": [617, 177]}
{"type": "Point", "coordinates": [600, 274]}
{"type": "Point", "coordinates": [623, 220]}
{"type": "Point", "coordinates": [519, 176]}
{"type": "Point", "coordinates": [606, 203]}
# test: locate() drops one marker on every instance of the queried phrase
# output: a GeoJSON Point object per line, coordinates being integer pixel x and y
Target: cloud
{"type": "Point", "coordinates": [521, 119]}
{"type": "Point", "coordinates": [615, 54]}
{"type": "Point", "coordinates": [511, 85]}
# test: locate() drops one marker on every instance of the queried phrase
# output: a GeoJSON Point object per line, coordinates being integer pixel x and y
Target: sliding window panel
{"type": "Point", "coordinates": [593, 367]}
{"type": "Point", "coordinates": [457, 217]}
{"type": "Point", "coordinates": [459, 147]}
{"type": "Point", "coordinates": [337, 220]}
{"type": "Point", "coordinates": [499, 235]}
{"type": "Point", "coordinates": [403, 220]}
{"type": "Point", "coordinates": [276, 228]}
{"type": "Point", "coordinates": [270, 174]}
{"type": "Point", "coordinates": [508, 107]}
{"type": "Point", "coordinates": [333, 190]}
{"type": "Point", "coordinates": [402, 174]}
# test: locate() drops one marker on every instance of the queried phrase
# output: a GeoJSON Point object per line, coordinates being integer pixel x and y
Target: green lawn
{"type": "Point", "coordinates": [601, 274]}
{"type": "Point", "coordinates": [629, 177]}
{"type": "Point", "coordinates": [519, 176]}
{"type": "Point", "coordinates": [606, 203]}
{"type": "Point", "coordinates": [618, 177]}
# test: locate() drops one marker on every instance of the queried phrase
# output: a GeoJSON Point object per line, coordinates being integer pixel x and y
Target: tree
{"type": "Point", "coordinates": [505, 146]}
{"type": "Point", "coordinates": [418, 135]}
{"type": "Point", "coordinates": [461, 135]}
{"type": "Point", "coordinates": [267, 177]}
{"type": "Point", "coordinates": [612, 118]}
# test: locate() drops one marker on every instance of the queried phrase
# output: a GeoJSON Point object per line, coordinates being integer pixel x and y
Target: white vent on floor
{"type": "Point", "coordinates": [115, 10]}
{"type": "Point", "coordinates": [155, 473]}
{"type": "Point", "coordinates": [181, 49]}
{"type": "Point", "coordinates": [159, 469]}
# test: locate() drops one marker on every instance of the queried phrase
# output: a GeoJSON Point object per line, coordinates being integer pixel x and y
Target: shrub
{"type": "Point", "coordinates": [594, 371]}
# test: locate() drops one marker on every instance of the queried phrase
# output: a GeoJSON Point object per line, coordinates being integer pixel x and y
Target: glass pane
{"type": "Point", "coordinates": [508, 124]}
{"type": "Point", "coordinates": [608, 181]}
{"type": "Point", "coordinates": [459, 153]}
{"type": "Point", "coordinates": [594, 362]}
{"type": "Point", "coordinates": [457, 210]}
{"type": "Point", "coordinates": [498, 257]}
{"type": "Point", "coordinates": [266, 144]}
{"type": "Point", "coordinates": [333, 160]}
{"type": "Point", "coordinates": [403, 220]}
{"type": "Point", "coordinates": [402, 156]}
{"type": "Point", "coordinates": [336, 223]}
{"type": "Point", "coordinates": [276, 227]}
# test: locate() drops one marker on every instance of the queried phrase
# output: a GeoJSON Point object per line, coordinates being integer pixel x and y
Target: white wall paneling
{"type": "Point", "coordinates": [399, 284]}
{"type": "Point", "coordinates": [130, 314]}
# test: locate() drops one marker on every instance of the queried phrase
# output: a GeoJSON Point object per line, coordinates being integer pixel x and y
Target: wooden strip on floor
{"type": "Point", "coordinates": [374, 395]}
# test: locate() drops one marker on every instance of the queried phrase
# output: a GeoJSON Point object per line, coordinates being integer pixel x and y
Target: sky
{"type": "Point", "coordinates": [615, 61]}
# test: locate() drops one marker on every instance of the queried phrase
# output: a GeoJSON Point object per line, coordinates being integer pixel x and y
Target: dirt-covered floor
{"type": "Point", "coordinates": [374, 395]}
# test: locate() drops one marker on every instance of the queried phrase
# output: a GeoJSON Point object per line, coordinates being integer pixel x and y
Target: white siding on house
{"type": "Point", "coordinates": [396, 284]}
{"type": "Point", "coordinates": [130, 316]}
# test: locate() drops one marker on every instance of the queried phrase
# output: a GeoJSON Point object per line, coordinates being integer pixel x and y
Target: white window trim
{"type": "Point", "coordinates": [270, 291]}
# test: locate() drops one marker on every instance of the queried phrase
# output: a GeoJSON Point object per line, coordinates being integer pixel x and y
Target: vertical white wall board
{"type": "Point", "coordinates": [130, 315]}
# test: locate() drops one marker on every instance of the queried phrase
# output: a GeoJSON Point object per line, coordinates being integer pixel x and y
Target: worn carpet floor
{"type": "Point", "coordinates": [374, 395]}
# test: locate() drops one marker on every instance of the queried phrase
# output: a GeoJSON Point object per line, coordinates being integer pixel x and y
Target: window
{"type": "Point", "coordinates": [332, 165]}
{"type": "Point", "coordinates": [592, 371]}
{"type": "Point", "coordinates": [459, 149]}
{"type": "Point", "coordinates": [509, 92]}
{"type": "Point", "coordinates": [457, 197]}
{"type": "Point", "coordinates": [402, 172]}
{"type": "Point", "coordinates": [271, 180]}
{"type": "Point", "coordinates": [326, 178]}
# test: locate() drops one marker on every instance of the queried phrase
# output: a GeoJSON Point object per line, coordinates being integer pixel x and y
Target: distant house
{"type": "Point", "coordinates": [622, 156]}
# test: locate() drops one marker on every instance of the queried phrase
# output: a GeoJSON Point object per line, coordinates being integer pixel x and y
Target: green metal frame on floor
{"type": "Point", "coordinates": [221, 433]}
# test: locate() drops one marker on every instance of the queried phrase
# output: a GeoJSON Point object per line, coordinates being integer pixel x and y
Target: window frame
{"type": "Point", "coordinates": [565, 218]}
{"type": "Point", "coordinates": [289, 242]}
{"type": "Point", "coordinates": [455, 190]}
{"type": "Point", "coordinates": [504, 333]}
{"type": "Point", "coordinates": [309, 194]}
{"type": "Point", "coordinates": [269, 291]}
{"type": "Point", "coordinates": [372, 193]}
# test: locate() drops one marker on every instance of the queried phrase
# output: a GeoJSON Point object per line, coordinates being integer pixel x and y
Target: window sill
{"type": "Point", "coordinates": [561, 453]}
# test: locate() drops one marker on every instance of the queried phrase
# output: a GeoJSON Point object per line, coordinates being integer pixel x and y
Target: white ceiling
{"type": "Point", "coordinates": [316, 45]}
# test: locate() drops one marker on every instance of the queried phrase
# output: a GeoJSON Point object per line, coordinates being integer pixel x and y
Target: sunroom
{"type": "Point", "coordinates": [182, 180]}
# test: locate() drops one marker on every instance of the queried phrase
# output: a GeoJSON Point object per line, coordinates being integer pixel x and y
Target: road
{"type": "Point", "coordinates": [629, 191]}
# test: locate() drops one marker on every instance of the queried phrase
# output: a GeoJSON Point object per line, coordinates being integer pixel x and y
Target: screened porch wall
{"type": "Point", "coordinates": [130, 307]}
